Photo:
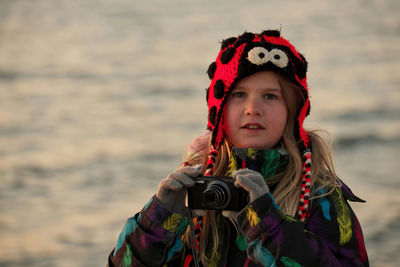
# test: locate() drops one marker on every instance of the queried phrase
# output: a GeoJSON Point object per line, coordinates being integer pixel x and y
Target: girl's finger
{"type": "Point", "coordinates": [191, 171]}
{"type": "Point", "coordinates": [247, 184]}
{"type": "Point", "coordinates": [182, 178]}
{"type": "Point", "coordinates": [254, 176]}
{"type": "Point", "coordinates": [170, 184]}
{"type": "Point", "coordinates": [257, 179]}
{"type": "Point", "coordinates": [245, 172]}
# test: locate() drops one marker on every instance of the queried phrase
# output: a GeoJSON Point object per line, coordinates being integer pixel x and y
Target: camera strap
{"type": "Point", "coordinates": [193, 240]}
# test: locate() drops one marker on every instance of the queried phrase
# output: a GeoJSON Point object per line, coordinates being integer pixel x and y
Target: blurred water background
{"type": "Point", "coordinates": [98, 100]}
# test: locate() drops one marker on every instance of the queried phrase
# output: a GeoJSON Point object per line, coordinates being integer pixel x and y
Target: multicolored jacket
{"type": "Point", "coordinates": [331, 236]}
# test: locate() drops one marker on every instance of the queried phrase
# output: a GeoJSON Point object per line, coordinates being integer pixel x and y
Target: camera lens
{"type": "Point", "coordinates": [217, 195]}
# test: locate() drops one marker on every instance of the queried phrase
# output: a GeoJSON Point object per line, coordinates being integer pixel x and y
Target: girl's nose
{"type": "Point", "coordinates": [253, 107]}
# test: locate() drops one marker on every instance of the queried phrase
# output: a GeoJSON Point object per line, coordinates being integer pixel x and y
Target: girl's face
{"type": "Point", "coordinates": [256, 112]}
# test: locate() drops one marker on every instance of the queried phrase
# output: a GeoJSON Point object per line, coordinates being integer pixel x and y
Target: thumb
{"type": "Point", "coordinates": [251, 181]}
{"type": "Point", "coordinates": [192, 170]}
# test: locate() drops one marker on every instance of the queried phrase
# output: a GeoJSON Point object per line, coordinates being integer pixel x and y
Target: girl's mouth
{"type": "Point", "coordinates": [253, 126]}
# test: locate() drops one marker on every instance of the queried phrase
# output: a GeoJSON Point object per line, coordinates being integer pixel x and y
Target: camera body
{"type": "Point", "coordinates": [217, 193]}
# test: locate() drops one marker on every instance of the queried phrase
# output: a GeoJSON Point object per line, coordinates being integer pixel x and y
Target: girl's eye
{"type": "Point", "coordinates": [239, 94]}
{"type": "Point", "coordinates": [270, 96]}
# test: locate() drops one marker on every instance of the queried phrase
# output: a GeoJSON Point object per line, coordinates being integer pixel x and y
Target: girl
{"type": "Point", "coordinates": [297, 214]}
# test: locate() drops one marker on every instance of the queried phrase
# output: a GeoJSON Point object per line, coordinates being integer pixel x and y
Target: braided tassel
{"type": "Point", "coordinates": [211, 160]}
{"type": "Point", "coordinates": [305, 186]}
{"type": "Point", "coordinates": [197, 231]}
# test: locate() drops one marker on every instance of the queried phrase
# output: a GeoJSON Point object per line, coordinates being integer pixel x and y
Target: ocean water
{"type": "Point", "coordinates": [98, 100]}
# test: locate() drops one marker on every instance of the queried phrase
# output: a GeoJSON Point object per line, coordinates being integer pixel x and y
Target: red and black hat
{"type": "Point", "coordinates": [245, 55]}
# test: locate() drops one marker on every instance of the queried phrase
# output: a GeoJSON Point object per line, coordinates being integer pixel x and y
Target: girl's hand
{"type": "Point", "coordinates": [251, 181]}
{"type": "Point", "coordinates": [172, 190]}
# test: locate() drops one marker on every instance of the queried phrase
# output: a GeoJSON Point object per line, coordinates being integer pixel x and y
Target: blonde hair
{"type": "Point", "coordinates": [287, 191]}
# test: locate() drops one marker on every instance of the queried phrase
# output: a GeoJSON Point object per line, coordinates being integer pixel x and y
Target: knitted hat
{"type": "Point", "coordinates": [245, 55]}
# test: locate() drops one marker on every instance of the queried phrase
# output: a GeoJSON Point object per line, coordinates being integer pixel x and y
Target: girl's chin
{"type": "Point", "coordinates": [256, 142]}
{"type": "Point", "coordinates": [255, 146]}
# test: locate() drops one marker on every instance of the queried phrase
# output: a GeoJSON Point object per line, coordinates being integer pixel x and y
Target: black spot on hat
{"type": "Point", "coordinates": [219, 89]}
{"type": "Point", "coordinates": [211, 70]}
{"type": "Point", "coordinates": [227, 42]}
{"type": "Point", "coordinates": [245, 38]}
{"type": "Point", "coordinates": [308, 110]}
{"type": "Point", "coordinates": [212, 114]}
{"type": "Point", "coordinates": [207, 93]}
{"type": "Point", "coordinates": [301, 66]}
{"type": "Point", "coordinates": [274, 33]}
{"type": "Point", "coordinates": [227, 55]}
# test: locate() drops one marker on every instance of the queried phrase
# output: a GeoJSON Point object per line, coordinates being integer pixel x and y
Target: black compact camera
{"type": "Point", "coordinates": [217, 193]}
